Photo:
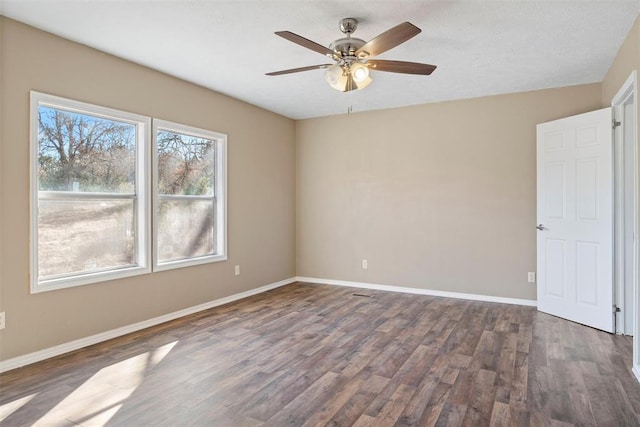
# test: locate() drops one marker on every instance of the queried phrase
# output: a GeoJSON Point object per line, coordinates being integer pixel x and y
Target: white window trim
{"type": "Point", "coordinates": [142, 200]}
{"type": "Point", "coordinates": [220, 191]}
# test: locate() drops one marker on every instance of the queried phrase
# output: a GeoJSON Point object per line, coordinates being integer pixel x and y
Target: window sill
{"type": "Point", "coordinates": [87, 279]}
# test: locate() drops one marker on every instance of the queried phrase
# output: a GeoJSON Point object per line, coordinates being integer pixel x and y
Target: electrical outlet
{"type": "Point", "coordinates": [3, 317]}
{"type": "Point", "coordinates": [365, 264]}
{"type": "Point", "coordinates": [531, 277]}
{"type": "Point", "coordinates": [237, 270]}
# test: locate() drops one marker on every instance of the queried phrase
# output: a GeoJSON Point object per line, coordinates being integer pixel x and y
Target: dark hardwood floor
{"type": "Point", "coordinates": [323, 355]}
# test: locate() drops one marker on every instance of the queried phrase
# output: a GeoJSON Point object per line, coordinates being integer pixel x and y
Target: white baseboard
{"type": "Point", "coordinates": [636, 371]}
{"type": "Point", "coordinates": [474, 297]}
{"type": "Point", "coordinates": [57, 350]}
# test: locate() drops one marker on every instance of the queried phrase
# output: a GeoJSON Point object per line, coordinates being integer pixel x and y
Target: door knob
{"type": "Point", "coordinates": [540, 227]}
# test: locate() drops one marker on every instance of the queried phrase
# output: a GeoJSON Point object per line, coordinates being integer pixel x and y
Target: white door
{"type": "Point", "coordinates": [575, 218]}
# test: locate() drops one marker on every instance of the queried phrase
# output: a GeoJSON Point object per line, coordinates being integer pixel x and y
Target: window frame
{"type": "Point", "coordinates": [219, 194]}
{"type": "Point", "coordinates": [141, 197]}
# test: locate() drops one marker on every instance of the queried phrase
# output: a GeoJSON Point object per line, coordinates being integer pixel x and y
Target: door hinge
{"type": "Point", "coordinates": [616, 309]}
{"type": "Point", "coordinates": [615, 124]}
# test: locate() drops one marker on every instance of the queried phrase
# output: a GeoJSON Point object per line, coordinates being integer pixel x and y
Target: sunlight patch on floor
{"type": "Point", "coordinates": [99, 398]}
{"type": "Point", "coordinates": [102, 418]}
{"type": "Point", "coordinates": [11, 407]}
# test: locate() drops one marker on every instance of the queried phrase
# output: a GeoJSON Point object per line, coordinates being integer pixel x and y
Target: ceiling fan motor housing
{"type": "Point", "coordinates": [347, 46]}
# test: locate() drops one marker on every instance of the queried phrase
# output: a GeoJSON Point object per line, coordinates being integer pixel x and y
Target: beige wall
{"type": "Point", "coordinates": [261, 205]}
{"type": "Point", "coordinates": [626, 60]}
{"type": "Point", "coordinates": [437, 196]}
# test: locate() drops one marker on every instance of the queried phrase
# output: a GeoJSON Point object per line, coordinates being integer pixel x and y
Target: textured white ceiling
{"type": "Point", "coordinates": [481, 47]}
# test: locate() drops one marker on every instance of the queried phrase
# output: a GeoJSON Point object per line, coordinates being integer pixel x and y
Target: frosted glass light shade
{"type": "Point", "coordinates": [364, 83]}
{"type": "Point", "coordinates": [360, 73]}
{"type": "Point", "coordinates": [336, 78]}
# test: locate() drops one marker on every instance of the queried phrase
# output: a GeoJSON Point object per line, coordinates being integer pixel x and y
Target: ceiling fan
{"type": "Point", "coordinates": [352, 56]}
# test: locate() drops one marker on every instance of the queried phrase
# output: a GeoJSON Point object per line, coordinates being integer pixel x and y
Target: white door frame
{"type": "Point", "coordinates": [627, 91]}
{"type": "Point", "coordinates": [623, 300]}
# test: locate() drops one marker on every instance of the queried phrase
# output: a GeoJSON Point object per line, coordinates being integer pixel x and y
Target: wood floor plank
{"type": "Point", "coordinates": [353, 408]}
{"type": "Point", "coordinates": [317, 355]}
{"type": "Point", "coordinates": [451, 415]}
{"type": "Point", "coordinates": [430, 392]}
{"type": "Point", "coordinates": [501, 415]}
{"type": "Point", "coordinates": [432, 411]}
{"type": "Point", "coordinates": [340, 396]}
{"type": "Point", "coordinates": [307, 403]}
{"type": "Point", "coordinates": [392, 409]}
{"type": "Point", "coordinates": [482, 399]}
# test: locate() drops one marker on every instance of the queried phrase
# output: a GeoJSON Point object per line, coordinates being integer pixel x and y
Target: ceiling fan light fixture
{"type": "Point", "coordinates": [359, 72]}
{"type": "Point", "coordinates": [340, 77]}
{"type": "Point", "coordinates": [364, 83]}
{"type": "Point", "coordinates": [336, 77]}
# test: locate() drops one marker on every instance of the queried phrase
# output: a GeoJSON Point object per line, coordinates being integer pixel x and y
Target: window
{"type": "Point", "coordinates": [89, 197]}
{"type": "Point", "coordinates": [91, 187]}
{"type": "Point", "coordinates": [189, 189]}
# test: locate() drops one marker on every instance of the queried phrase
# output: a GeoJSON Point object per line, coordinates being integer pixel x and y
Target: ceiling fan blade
{"type": "Point", "coordinates": [292, 37]}
{"type": "Point", "coordinates": [297, 70]}
{"type": "Point", "coordinates": [388, 40]}
{"type": "Point", "coordinates": [400, 67]}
